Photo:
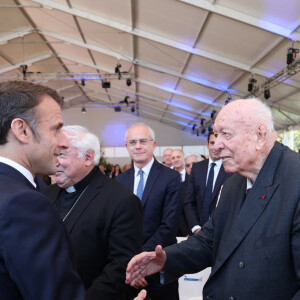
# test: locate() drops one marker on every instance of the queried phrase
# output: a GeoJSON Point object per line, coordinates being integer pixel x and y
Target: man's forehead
{"type": "Point", "coordinates": [176, 152]}
{"type": "Point", "coordinates": [139, 130]}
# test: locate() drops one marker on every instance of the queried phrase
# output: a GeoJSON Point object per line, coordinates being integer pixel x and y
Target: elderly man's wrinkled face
{"type": "Point", "coordinates": [236, 142]}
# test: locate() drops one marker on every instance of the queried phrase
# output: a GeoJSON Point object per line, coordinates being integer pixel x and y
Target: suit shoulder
{"type": "Point", "coordinates": [116, 189]}
{"type": "Point", "coordinates": [166, 171]}
{"type": "Point", "coordinates": [200, 164]}
{"type": "Point", "coordinates": [124, 175]}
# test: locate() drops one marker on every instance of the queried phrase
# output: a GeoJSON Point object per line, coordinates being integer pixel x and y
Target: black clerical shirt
{"type": "Point", "coordinates": [65, 201]}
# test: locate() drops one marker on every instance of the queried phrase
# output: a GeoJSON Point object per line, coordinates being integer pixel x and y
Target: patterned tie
{"type": "Point", "coordinates": [207, 195]}
{"type": "Point", "coordinates": [140, 188]}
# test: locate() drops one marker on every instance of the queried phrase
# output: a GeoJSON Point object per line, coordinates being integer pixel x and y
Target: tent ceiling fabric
{"type": "Point", "coordinates": [184, 57]}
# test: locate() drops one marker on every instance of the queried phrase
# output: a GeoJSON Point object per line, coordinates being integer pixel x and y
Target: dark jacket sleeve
{"type": "Point", "coordinates": [166, 233]}
{"type": "Point", "coordinates": [124, 241]}
{"type": "Point", "coordinates": [189, 205]}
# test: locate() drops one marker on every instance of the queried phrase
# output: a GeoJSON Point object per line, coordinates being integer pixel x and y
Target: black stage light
{"type": "Point", "coordinates": [194, 127]}
{"type": "Point", "coordinates": [203, 131]}
{"type": "Point", "coordinates": [213, 113]}
{"type": "Point", "coordinates": [83, 82]}
{"type": "Point", "coordinates": [267, 94]}
{"type": "Point", "coordinates": [83, 110]}
{"type": "Point", "coordinates": [133, 109]}
{"type": "Point", "coordinates": [290, 56]}
{"type": "Point", "coordinates": [251, 83]}
{"type": "Point", "coordinates": [106, 84]}
{"type": "Point", "coordinates": [117, 68]}
{"type": "Point", "coordinates": [128, 82]}
{"type": "Point", "coordinates": [202, 121]}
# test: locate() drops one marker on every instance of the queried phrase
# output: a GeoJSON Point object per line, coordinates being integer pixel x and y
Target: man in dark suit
{"type": "Point", "coordinates": [252, 241]}
{"type": "Point", "coordinates": [200, 203]}
{"type": "Point", "coordinates": [157, 186]}
{"type": "Point", "coordinates": [103, 219]}
{"type": "Point", "coordinates": [35, 257]}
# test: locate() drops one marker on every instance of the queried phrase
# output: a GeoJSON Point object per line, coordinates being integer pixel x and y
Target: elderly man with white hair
{"type": "Point", "coordinates": [103, 219]}
{"type": "Point", "coordinates": [189, 160]}
{"type": "Point", "coordinates": [252, 241]}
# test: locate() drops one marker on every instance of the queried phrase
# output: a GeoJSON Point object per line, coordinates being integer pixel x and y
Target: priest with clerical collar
{"type": "Point", "coordinates": [103, 219]}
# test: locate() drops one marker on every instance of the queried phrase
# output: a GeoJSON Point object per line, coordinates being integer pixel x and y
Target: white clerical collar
{"type": "Point", "coordinates": [25, 172]}
{"type": "Point", "coordinates": [70, 189]}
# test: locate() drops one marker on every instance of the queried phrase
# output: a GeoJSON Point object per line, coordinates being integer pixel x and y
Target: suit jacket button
{"type": "Point", "coordinates": [241, 265]}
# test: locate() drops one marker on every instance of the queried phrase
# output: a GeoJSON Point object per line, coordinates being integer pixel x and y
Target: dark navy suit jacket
{"type": "Point", "coordinates": [195, 192]}
{"type": "Point", "coordinates": [252, 244]}
{"type": "Point", "coordinates": [35, 257]}
{"type": "Point", "coordinates": [160, 204]}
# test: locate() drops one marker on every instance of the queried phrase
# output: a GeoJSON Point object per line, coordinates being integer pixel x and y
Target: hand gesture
{"type": "Point", "coordinates": [145, 264]}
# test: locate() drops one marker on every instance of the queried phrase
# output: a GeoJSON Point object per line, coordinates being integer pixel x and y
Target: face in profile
{"type": "Point", "coordinates": [70, 167]}
{"type": "Point", "coordinates": [235, 141]}
{"type": "Point", "coordinates": [48, 139]}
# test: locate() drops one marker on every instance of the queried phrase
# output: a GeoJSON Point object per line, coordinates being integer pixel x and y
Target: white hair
{"type": "Point", "coordinates": [151, 132]}
{"type": "Point", "coordinates": [192, 154]}
{"type": "Point", "coordinates": [83, 140]}
{"type": "Point", "coordinates": [263, 112]}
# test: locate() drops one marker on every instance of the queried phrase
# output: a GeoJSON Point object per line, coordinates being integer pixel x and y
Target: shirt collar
{"type": "Point", "coordinates": [183, 171]}
{"type": "Point", "coordinates": [146, 169]}
{"type": "Point", "coordinates": [19, 168]}
{"type": "Point", "coordinates": [80, 185]}
{"type": "Point", "coordinates": [217, 162]}
{"type": "Point", "coordinates": [249, 184]}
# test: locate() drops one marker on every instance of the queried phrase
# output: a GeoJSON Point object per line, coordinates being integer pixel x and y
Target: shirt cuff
{"type": "Point", "coordinates": [195, 228]}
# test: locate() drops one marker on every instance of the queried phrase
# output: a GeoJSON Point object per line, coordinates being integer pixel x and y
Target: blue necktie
{"type": "Point", "coordinates": [207, 196]}
{"type": "Point", "coordinates": [140, 188]}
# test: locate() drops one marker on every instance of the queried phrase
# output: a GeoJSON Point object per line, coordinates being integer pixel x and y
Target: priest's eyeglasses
{"type": "Point", "coordinates": [143, 142]}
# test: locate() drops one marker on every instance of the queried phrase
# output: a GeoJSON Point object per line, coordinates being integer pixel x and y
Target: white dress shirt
{"type": "Point", "coordinates": [146, 170]}
{"type": "Point", "coordinates": [182, 174]}
{"type": "Point", "coordinates": [216, 173]}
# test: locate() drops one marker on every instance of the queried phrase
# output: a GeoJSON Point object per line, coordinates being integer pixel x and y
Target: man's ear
{"type": "Point", "coordinates": [21, 130]}
{"type": "Point", "coordinates": [261, 134]}
{"type": "Point", "coordinates": [89, 157]}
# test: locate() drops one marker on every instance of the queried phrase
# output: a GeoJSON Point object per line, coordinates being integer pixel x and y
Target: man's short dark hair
{"type": "Point", "coordinates": [210, 132]}
{"type": "Point", "coordinates": [18, 99]}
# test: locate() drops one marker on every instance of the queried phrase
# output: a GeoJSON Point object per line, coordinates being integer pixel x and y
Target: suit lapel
{"type": "Point", "coordinates": [85, 199]}
{"type": "Point", "coordinates": [128, 180]}
{"type": "Point", "coordinates": [218, 182]}
{"type": "Point", "coordinates": [203, 175]}
{"type": "Point", "coordinates": [254, 205]}
{"type": "Point", "coordinates": [153, 174]}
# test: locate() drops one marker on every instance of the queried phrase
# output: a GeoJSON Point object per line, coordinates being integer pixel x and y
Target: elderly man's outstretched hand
{"type": "Point", "coordinates": [141, 296]}
{"type": "Point", "coordinates": [145, 264]}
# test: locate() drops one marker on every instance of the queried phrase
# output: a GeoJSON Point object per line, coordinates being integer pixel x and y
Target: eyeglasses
{"type": "Point", "coordinates": [143, 142]}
